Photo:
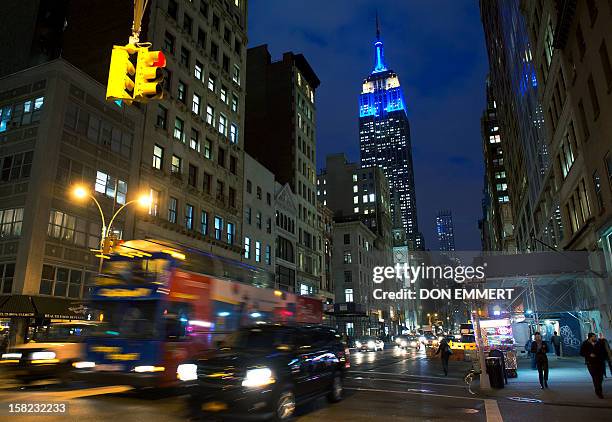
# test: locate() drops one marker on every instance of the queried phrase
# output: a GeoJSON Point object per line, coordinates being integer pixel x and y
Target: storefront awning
{"type": "Point", "coordinates": [42, 307]}
{"type": "Point", "coordinates": [16, 306]}
{"type": "Point", "coordinates": [59, 308]}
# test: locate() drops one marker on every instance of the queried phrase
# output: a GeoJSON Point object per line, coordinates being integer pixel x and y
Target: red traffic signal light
{"type": "Point", "coordinates": [149, 75]}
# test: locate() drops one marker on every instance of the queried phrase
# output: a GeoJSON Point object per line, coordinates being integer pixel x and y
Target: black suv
{"type": "Point", "coordinates": [265, 371]}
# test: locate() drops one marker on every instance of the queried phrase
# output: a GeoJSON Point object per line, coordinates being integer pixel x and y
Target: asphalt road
{"type": "Point", "coordinates": [388, 385]}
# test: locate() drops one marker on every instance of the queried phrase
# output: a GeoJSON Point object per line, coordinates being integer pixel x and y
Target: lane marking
{"type": "Point", "coordinates": [378, 390]}
{"type": "Point", "coordinates": [406, 381]}
{"type": "Point", "coordinates": [492, 411]}
{"type": "Point", "coordinates": [371, 371]}
{"type": "Point", "coordinates": [73, 394]}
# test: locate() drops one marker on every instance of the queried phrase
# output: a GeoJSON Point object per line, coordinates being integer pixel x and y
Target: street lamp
{"type": "Point", "coordinates": [81, 192]}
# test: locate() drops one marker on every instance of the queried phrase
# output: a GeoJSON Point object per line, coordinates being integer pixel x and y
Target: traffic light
{"type": "Point", "coordinates": [121, 74]}
{"type": "Point", "coordinates": [149, 75]}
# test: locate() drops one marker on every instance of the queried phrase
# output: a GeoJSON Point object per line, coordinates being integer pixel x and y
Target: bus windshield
{"type": "Point", "coordinates": [126, 319]}
{"type": "Point", "coordinates": [137, 270]}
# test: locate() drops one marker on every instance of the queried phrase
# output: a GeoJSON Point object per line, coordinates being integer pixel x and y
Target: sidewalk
{"type": "Point", "coordinates": [569, 383]}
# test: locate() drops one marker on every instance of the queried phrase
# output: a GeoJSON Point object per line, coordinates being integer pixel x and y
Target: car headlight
{"type": "Point", "coordinates": [11, 355]}
{"type": "Point", "coordinates": [83, 365]}
{"type": "Point", "coordinates": [358, 343]}
{"type": "Point", "coordinates": [258, 377]}
{"type": "Point", "coordinates": [404, 344]}
{"type": "Point", "coordinates": [42, 355]}
{"type": "Point", "coordinates": [187, 372]}
{"type": "Point", "coordinates": [371, 344]}
{"type": "Point", "coordinates": [149, 368]}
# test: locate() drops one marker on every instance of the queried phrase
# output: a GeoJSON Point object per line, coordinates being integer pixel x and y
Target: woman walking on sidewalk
{"type": "Point", "coordinates": [445, 352]}
{"type": "Point", "coordinates": [539, 348]}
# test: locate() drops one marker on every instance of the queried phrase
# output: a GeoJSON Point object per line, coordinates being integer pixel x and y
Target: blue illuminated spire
{"type": "Point", "coordinates": [379, 65]}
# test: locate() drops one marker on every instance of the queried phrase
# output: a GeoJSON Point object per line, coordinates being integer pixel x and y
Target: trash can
{"type": "Point", "coordinates": [496, 372]}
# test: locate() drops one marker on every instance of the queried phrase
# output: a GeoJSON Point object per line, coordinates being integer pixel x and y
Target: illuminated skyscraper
{"type": "Point", "coordinates": [384, 136]}
{"type": "Point", "coordinates": [445, 231]}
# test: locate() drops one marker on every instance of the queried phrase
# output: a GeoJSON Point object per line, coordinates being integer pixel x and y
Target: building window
{"type": "Point", "coordinates": [176, 164]}
{"type": "Point", "coordinates": [189, 217]}
{"type": "Point", "coordinates": [207, 183]}
{"type": "Point", "coordinates": [233, 133]}
{"type": "Point", "coordinates": [347, 238]}
{"type": "Point", "coordinates": [220, 190]}
{"type": "Point", "coordinates": [195, 105]}
{"type": "Point", "coordinates": [16, 166]}
{"type": "Point", "coordinates": [162, 116]}
{"type": "Point", "coordinates": [230, 233]}
{"type": "Point", "coordinates": [204, 222]}
{"type": "Point", "coordinates": [258, 192]}
{"type": "Point", "coordinates": [179, 126]}
{"type": "Point", "coordinates": [184, 59]}
{"type": "Point", "coordinates": [154, 196]}
{"type": "Point", "coordinates": [192, 175]}
{"type": "Point", "coordinates": [248, 214]}
{"type": "Point", "coordinates": [172, 207]}
{"type": "Point", "coordinates": [181, 91]}
{"type": "Point", "coordinates": [198, 71]}
{"type": "Point", "coordinates": [187, 23]}
{"type": "Point", "coordinates": [597, 187]}
{"type": "Point", "coordinates": [258, 219]}
{"type": "Point", "coordinates": [218, 227]}
{"type": "Point", "coordinates": [249, 186]}
{"type": "Point", "coordinates": [215, 21]}
{"type": "Point", "coordinates": [348, 295]}
{"type": "Point", "coordinates": [268, 198]}
{"type": "Point", "coordinates": [201, 39]}
{"type": "Point", "coordinates": [172, 9]}
{"type": "Point", "coordinates": [223, 94]}
{"type": "Point", "coordinates": [194, 141]}
{"type": "Point", "coordinates": [207, 148]}
{"type": "Point", "coordinates": [169, 43]}
{"type": "Point", "coordinates": [158, 157]}
{"type": "Point", "coordinates": [348, 277]}
{"type": "Point", "coordinates": [222, 124]}
{"type": "Point", "coordinates": [236, 74]}
{"type": "Point", "coordinates": [583, 120]}
{"type": "Point", "coordinates": [111, 187]}
{"type": "Point", "coordinates": [221, 157]}
{"type": "Point", "coordinates": [212, 80]}
{"type": "Point", "coordinates": [257, 251]}
{"type": "Point", "coordinates": [210, 115]}
{"type": "Point", "coordinates": [225, 63]}
{"type": "Point", "coordinates": [7, 272]}
{"type": "Point", "coordinates": [247, 248]}
{"type": "Point", "coordinates": [605, 64]}
{"type": "Point", "coordinates": [231, 196]}
{"type": "Point", "coordinates": [348, 259]}
{"type": "Point", "coordinates": [234, 103]}
{"type": "Point", "coordinates": [233, 164]}
{"type": "Point", "coordinates": [593, 95]}
{"type": "Point", "coordinates": [10, 222]}
{"type": "Point", "coordinates": [268, 256]}
{"type": "Point", "coordinates": [214, 51]}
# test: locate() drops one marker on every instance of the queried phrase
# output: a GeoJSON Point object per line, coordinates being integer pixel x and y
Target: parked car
{"type": "Point", "coordinates": [266, 371]}
{"type": "Point", "coordinates": [50, 354]}
{"type": "Point", "coordinates": [366, 344]}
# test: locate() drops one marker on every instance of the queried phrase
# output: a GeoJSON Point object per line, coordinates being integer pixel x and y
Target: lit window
{"type": "Point", "coordinates": [236, 74]}
{"type": "Point", "coordinates": [210, 115]}
{"type": "Point", "coordinates": [158, 157]}
{"type": "Point", "coordinates": [218, 227]}
{"type": "Point", "coordinates": [355, 188]}
{"type": "Point", "coordinates": [247, 247]}
{"type": "Point", "coordinates": [257, 251]}
{"type": "Point", "coordinates": [354, 177]}
{"type": "Point", "coordinates": [372, 198]}
{"type": "Point", "coordinates": [355, 199]}
{"type": "Point", "coordinates": [233, 133]}
{"type": "Point", "coordinates": [356, 210]}
{"type": "Point", "coordinates": [195, 105]}
{"type": "Point", "coordinates": [176, 164]}
{"type": "Point", "coordinates": [348, 295]}
{"type": "Point", "coordinates": [222, 124]}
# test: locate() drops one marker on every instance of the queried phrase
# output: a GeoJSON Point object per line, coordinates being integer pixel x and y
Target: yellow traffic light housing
{"type": "Point", "coordinates": [149, 75]}
{"type": "Point", "coordinates": [121, 74]}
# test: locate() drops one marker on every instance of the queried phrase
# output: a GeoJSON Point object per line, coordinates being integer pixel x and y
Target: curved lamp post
{"type": "Point", "coordinates": [81, 192]}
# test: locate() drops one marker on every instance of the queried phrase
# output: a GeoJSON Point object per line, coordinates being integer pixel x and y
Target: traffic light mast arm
{"type": "Point", "coordinates": [139, 8]}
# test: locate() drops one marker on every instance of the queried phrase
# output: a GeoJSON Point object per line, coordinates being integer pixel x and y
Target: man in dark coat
{"type": "Point", "coordinates": [594, 358]}
{"type": "Point", "coordinates": [445, 351]}
{"type": "Point", "coordinates": [539, 348]}
{"type": "Point", "coordinates": [556, 342]}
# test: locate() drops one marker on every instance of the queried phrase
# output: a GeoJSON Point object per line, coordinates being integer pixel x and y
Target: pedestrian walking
{"type": "Point", "coordinates": [608, 353]}
{"type": "Point", "coordinates": [539, 348]}
{"type": "Point", "coordinates": [529, 354]}
{"type": "Point", "coordinates": [445, 351]}
{"type": "Point", "coordinates": [593, 353]}
{"type": "Point", "coordinates": [556, 342]}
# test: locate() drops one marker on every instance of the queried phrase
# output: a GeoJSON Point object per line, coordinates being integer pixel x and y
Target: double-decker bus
{"type": "Point", "coordinates": [158, 304]}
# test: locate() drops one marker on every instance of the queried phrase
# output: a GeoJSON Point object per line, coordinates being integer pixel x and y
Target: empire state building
{"type": "Point", "coordinates": [384, 138]}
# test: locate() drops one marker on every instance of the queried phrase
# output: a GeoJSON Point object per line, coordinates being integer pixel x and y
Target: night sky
{"type": "Point", "coordinates": [436, 47]}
